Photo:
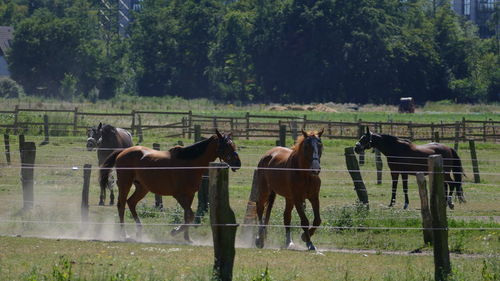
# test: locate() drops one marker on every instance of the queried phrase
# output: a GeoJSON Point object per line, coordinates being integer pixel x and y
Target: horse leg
{"type": "Point", "coordinates": [102, 195]}
{"type": "Point", "coordinates": [394, 176]}
{"type": "Point", "coordinates": [138, 194]}
{"type": "Point", "coordinates": [404, 177]}
{"type": "Point", "coordinates": [449, 185]}
{"type": "Point", "coordinates": [185, 202]}
{"type": "Point", "coordinates": [304, 222]}
{"type": "Point", "coordinates": [260, 205]}
{"type": "Point", "coordinates": [287, 219]}
{"type": "Point", "coordinates": [111, 193]}
{"type": "Point", "coordinates": [262, 228]}
{"type": "Point", "coordinates": [317, 218]}
{"type": "Point", "coordinates": [124, 183]}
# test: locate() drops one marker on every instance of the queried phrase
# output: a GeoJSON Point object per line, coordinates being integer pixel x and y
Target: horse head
{"type": "Point", "coordinates": [93, 137]}
{"type": "Point", "coordinates": [365, 142]}
{"type": "Point", "coordinates": [312, 149]}
{"type": "Point", "coordinates": [226, 150]}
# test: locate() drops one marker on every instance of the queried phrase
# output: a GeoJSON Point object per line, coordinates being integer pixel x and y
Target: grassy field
{"type": "Point", "coordinates": [372, 254]}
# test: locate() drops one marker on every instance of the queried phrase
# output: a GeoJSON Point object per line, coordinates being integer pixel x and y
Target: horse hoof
{"type": "Point", "coordinates": [451, 205]}
{"type": "Point", "coordinates": [290, 245]}
{"type": "Point", "coordinates": [310, 246]}
{"type": "Point", "coordinates": [101, 203]}
{"type": "Point", "coordinates": [405, 206]}
{"type": "Point", "coordinates": [391, 205]}
{"type": "Point", "coordinates": [111, 203]}
{"type": "Point", "coordinates": [175, 231]}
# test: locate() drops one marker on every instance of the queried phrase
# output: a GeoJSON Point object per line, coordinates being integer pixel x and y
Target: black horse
{"type": "Point", "coordinates": [404, 157]}
{"type": "Point", "coordinates": [106, 139]}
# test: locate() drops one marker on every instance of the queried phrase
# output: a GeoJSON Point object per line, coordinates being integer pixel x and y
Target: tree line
{"type": "Point", "coordinates": [365, 51]}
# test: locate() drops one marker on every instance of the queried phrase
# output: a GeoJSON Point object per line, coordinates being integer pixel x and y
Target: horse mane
{"type": "Point", "coordinates": [298, 143]}
{"type": "Point", "coordinates": [108, 130]}
{"type": "Point", "coordinates": [394, 139]}
{"type": "Point", "coordinates": [192, 151]}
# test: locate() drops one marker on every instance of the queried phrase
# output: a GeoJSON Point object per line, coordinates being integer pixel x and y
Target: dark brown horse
{"type": "Point", "coordinates": [107, 139]}
{"type": "Point", "coordinates": [176, 172]}
{"type": "Point", "coordinates": [406, 158]}
{"type": "Point", "coordinates": [293, 174]}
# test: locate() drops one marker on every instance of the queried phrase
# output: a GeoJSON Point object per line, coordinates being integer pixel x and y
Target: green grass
{"type": "Point", "coordinates": [43, 259]}
{"type": "Point", "coordinates": [58, 193]}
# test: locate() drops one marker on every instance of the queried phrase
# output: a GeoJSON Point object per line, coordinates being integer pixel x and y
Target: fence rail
{"type": "Point", "coordinates": [182, 123]}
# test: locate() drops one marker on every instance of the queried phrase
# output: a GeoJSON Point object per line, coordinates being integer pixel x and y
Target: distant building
{"type": "Point", "coordinates": [124, 14]}
{"type": "Point", "coordinates": [6, 36]}
{"type": "Point", "coordinates": [477, 11]}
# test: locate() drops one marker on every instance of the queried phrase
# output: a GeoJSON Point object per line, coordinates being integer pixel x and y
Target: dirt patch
{"type": "Point", "coordinates": [318, 107]}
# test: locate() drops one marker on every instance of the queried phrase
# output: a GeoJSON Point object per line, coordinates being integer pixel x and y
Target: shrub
{"type": "Point", "coordinates": [9, 88]}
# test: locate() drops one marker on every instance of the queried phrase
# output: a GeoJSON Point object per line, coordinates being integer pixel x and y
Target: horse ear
{"type": "Point", "coordinates": [100, 126]}
{"type": "Point", "coordinates": [218, 134]}
{"type": "Point", "coordinates": [230, 135]}
{"type": "Point", "coordinates": [321, 132]}
{"type": "Point", "coordinates": [367, 130]}
{"type": "Point", "coordinates": [304, 133]}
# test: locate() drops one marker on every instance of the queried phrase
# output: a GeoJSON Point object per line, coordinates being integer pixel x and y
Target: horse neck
{"type": "Point", "coordinates": [385, 144]}
{"type": "Point", "coordinates": [297, 157]}
{"type": "Point", "coordinates": [209, 155]}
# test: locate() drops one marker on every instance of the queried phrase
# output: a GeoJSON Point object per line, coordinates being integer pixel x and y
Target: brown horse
{"type": "Point", "coordinates": [293, 174]}
{"type": "Point", "coordinates": [106, 139]}
{"type": "Point", "coordinates": [406, 158]}
{"type": "Point", "coordinates": [176, 172]}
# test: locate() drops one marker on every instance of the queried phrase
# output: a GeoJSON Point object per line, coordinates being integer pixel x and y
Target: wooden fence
{"type": "Point", "coordinates": [66, 122]}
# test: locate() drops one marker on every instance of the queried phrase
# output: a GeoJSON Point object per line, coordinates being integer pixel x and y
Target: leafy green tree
{"type": "Point", "coordinates": [231, 72]}
{"type": "Point", "coordinates": [46, 48]}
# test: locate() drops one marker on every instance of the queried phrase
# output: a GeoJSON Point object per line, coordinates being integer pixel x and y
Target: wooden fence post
{"type": "Point", "coordinates": [464, 131]}
{"type": "Point", "coordinates": [16, 119]}
{"type": "Point", "coordinates": [139, 128]}
{"type": "Point", "coordinates": [436, 136]}
{"type": "Point", "coordinates": [28, 154]}
{"type": "Point", "coordinates": [282, 137]}
{"type": "Point", "coordinates": [361, 131]}
{"type": "Point", "coordinates": [202, 199]}
{"type": "Point", "coordinates": [184, 125]}
{"type": "Point", "coordinates": [21, 142]}
{"type": "Point", "coordinates": [7, 147]}
{"type": "Point", "coordinates": [190, 123]}
{"type": "Point", "coordinates": [223, 221]}
{"type": "Point", "coordinates": [442, 263]}
{"type": "Point", "coordinates": [158, 198]}
{"type": "Point", "coordinates": [132, 126]}
{"type": "Point", "coordinates": [352, 166]}
{"type": "Point", "coordinates": [45, 129]}
{"type": "Point", "coordinates": [410, 131]}
{"type": "Point", "coordinates": [293, 129]}
{"type": "Point", "coordinates": [87, 170]}
{"type": "Point", "coordinates": [457, 135]}
{"type": "Point", "coordinates": [475, 164]}
{"type": "Point", "coordinates": [424, 210]}
{"type": "Point", "coordinates": [484, 131]}
{"type": "Point", "coordinates": [379, 164]}
{"type": "Point", "coordinates": [75, 121]}
{"type": "Point", "coordinates": [247, 116]}
{"type": "Point", "coordinates": [197, 133]}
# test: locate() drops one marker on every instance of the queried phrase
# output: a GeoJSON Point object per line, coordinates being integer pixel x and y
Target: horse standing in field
{"type": "Point", "coordinates": [176, 172]}
{"type": "Point", "coordinates": [293, 174]}
{"type": "Point", "coordinates": [106, 139]}
{"type": "Point", "coordinates": [406, 158]}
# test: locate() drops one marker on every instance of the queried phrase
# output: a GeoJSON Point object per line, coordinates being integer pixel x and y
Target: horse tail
{"type": "Point", "coordinates": [106, 168]}
{"type": "Point", "coordinates": [251, 213]}
{"type": "Point", "coordinates": [458, 171]}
